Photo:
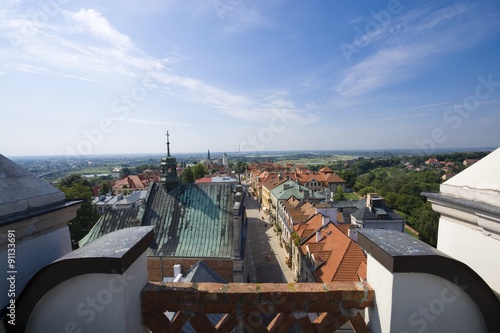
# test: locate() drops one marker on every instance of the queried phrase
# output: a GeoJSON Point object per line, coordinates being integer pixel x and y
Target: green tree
{"type": "Point", "coordinates": [86, 215]}
{"type": "Point", "coordinates": [199, 171]}
{"type": "Point", "coordinates": [124, 172]}
{"type": "Point", "coordinates": [105, 188]}
{"type": "Point", "coordinates": [339, 194]}
{"type": "Point", "coordinates": [187, 175]}
{"type": "Point", "coordinates": [426, 222]}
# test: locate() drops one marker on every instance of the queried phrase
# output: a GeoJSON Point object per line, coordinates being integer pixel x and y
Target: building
{"type": "Point", "coordinates": [34, 229]}
{"type": "Point", "coordinates": [120, 201]}
{"type": "Point", "coordinates": [469, 225]}
{"type": "Point", "coordinates": [131, 183]}
{"type": "Point", "coordinates": [330, 255]}
{"type": "Point", "coordinates": [217, 179]}
{"type": "Point", "coordinates": [322, 180]}
{"type": "Point", "coordinates": [372, 213]}
{"type": "Point", "coordinates": [191, 222]}
{"type": "Point", "coordinates": [282, 193]}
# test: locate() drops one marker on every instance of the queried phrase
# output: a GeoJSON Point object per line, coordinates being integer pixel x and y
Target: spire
{"type": "Point", "coordinates": [169, 166]}
{"type": "Point", "coordinates": [168, 144]}
{"type": "Point", "coordinates": [208, 155]}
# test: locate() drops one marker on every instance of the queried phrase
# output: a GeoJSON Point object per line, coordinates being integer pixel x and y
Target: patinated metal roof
{"type": "Point", "coordinates": [193, 220]}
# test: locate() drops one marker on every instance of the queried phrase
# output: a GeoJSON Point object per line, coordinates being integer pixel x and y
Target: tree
{"type": "Point", "coordinates": [105, 188]}
{"type": "Point", "coordinates": [187, 175]}
{"type": "Point", "coordinates": [339, 194]}
{"type": "Point", "coordinates": [426, 222]}
{"type": "Point", "coordinates": [86, 216]}
{"type": "Point", "coordinates": [199, 171]}
{"type": "Point", "coordinates": [124, 172]}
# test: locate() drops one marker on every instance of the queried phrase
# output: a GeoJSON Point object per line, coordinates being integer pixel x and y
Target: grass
{"type": "Point", "coordinates": [351, 196]}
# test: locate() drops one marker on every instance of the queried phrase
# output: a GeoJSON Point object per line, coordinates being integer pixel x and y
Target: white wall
{"type": "Point", "coordinates": [93, 303]}
{"type": "Point", "coordinates": [467, 243]}
{"type": "Point", "coordinates": [418, 302]}
{"type": "Point", "coordinates": [32, 254]}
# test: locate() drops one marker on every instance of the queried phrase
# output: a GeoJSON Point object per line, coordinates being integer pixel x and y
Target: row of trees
{"type": "Point", "coordinates": [189, 175]}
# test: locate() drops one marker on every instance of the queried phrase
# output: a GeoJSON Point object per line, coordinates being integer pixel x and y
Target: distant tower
{"type": "Point", "coordinates": [208, 156]}
{"type": "Point", "coordinates": [225, 160]}
{"type": "Point", "coordinates": [169, 176]}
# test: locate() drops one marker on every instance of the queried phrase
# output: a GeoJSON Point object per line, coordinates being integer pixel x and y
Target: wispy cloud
{"type": "Point", "coordinates": [402, 55]}
{"type": "Point", "coordinates": [149, 122]}
{"type": "Point", "coordinates": [29, 68]}
{"type": "Point", "coordinates": [84, 45]}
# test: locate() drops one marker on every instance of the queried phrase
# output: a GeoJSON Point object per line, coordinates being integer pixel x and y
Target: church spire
{"type": "Point", "coordinates": [169, 177]}
{"type": "Point", "coordinates": [168, 144]}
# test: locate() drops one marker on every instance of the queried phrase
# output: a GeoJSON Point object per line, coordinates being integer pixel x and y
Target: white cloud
{"type": "Point", "coordinates": [110, 58]}
{"type": "Point", "coordinates": [403, 54]}
{"type": "Point", "coordinates": [92, 22]}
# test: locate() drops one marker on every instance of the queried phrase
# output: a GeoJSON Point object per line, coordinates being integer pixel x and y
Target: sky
{"type": "Point", "coordinates": [111, 77]}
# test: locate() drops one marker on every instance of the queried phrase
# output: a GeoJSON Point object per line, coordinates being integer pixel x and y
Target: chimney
{"type": "Point", "coordinates": [306, 194]}
{"type": "Point", "coordinates": [318, 235]}
{"type": "Point", "coordinates": [325, 220]}
{"type": "Point", "coordinates": [352, 234]}
{"type": "Point", "coordinates": [177, 270]}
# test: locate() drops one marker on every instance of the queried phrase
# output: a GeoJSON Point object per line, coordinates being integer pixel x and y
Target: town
{"type": "Point", "coordinates": [224, 220]}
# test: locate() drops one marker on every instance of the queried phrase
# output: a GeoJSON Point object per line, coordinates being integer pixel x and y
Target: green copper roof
{"type": "Point", "coordinates": [193, 220]}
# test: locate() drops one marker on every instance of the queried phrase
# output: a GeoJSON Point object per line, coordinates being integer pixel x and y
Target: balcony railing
{"type": "Point", "coordinates": [247, 304]}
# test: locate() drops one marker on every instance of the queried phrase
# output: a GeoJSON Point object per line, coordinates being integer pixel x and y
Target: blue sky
{"type": "Point", "coordinates": [111, 77]}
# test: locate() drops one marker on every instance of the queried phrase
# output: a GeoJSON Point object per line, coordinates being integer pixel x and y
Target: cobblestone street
{"type": "Point", "coordinates": [262, 241]}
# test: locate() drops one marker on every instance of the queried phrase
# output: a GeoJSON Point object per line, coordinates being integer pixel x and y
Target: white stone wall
{"type": "Point", "coordinates": [418, 302]}
{"type": "Point", "coordinates": [467, 243]}
{"type": "Point", "coordinates": [32, 254]}
{"type": "Point", "coordinates": [94, 303]}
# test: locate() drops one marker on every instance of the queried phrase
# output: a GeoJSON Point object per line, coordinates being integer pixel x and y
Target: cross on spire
{"type": "Point", "coordinates": [168, 144]}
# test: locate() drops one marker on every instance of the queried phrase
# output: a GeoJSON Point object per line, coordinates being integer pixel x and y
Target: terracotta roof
{"type": "Point", "coordinates": [345, 259]}
{"type": "Point", "coordinates": [362, 270]}
{"type": "Point", "coordinates": [272, 181]}
{"type": "Point", "coordinates": [326, 170]}
{"type": "Point", "coordinates": [132, 182]}
{"type": "Point", "coordinates": [204, 180]}
{"type": "Point", "coordinates": [307, 228]}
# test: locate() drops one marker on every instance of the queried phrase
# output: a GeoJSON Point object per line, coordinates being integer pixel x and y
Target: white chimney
{"type": "Point", "coordinates": [352, 234]}
{"type": "Point", "coordinates": [325, 220]}
{"type": "Point", "coordinates": [318, 235]}
{"type": "Point", "coordinates": [177, 270]}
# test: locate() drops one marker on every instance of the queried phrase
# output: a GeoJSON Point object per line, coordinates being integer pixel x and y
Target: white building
{"type": "Point", "coordinates": [469, 226]}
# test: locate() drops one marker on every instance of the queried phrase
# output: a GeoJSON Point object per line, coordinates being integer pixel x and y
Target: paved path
{"type": "Point", "coordinates": [263, 240]}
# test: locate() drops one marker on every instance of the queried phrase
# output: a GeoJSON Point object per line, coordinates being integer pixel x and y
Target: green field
{"type": "Point", "coordinates": [351, 196]}
{"type": "Point", "coordinates": [320, 160]}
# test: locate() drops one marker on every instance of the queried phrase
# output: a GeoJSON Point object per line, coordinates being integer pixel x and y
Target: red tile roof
{"type": "Point", "coordinates": [345, 256]}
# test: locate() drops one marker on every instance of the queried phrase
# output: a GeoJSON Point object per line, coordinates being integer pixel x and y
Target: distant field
{"type": "Point", "coordinates": [318, 160]}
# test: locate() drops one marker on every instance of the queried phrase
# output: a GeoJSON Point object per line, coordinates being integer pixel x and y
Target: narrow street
{"type": "Point", "coordinates": [262, 241]}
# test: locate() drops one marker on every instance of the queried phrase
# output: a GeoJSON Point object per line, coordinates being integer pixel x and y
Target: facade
{"type": "Point", "coordinates": [322, 180]}
{"type": "Point", "coordinates": [282, 193]}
